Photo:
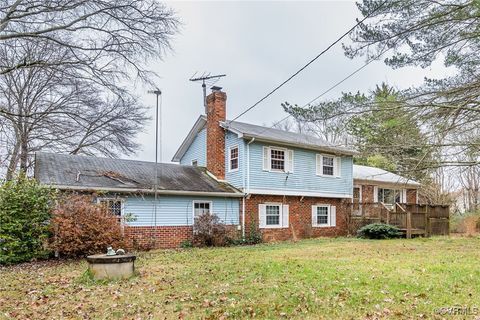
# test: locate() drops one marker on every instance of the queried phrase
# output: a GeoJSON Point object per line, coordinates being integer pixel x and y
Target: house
{"type": "Point", "coordinates": [285, 185]}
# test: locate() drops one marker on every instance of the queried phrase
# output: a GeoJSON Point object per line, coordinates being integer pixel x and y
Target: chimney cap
{"type": "Point", "coordinates": [216, 89]}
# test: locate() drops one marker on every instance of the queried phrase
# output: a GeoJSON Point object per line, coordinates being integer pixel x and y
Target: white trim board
{"type": "Point", "coordinates": [279, 192]}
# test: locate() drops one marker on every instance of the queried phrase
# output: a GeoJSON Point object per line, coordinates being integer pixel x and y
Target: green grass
{"type": "Point", "coordinates": [311, 279]}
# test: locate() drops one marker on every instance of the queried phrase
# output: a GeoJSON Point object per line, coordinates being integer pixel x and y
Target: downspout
{"type": "Point", "coordinates": [248, 187]}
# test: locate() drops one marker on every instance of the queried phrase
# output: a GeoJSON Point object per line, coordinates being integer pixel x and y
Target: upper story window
{"type": "Point", "coordinates": [328, 165]}
{"type": "Point", "coordinates": [114, 206]}
{"type": "Point", "coordinates": [233, 163]}
{"type": "Point", "coordinates": [277, 159]}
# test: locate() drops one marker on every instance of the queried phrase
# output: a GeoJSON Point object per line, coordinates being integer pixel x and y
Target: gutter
{"type": "Point", "coordinates": [306, 146]}
{"type": "Point", "coordinates": [164, 192]}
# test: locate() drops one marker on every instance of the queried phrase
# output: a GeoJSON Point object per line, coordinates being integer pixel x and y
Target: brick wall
{"type": "Point", "coordinates": [367, 193]}
{"type": "Point", "coordinates": [157, 237]}
{"type": "Point", "coordinates": [216, 112]}
{"type": "Point", "coordinates": [300, 218]}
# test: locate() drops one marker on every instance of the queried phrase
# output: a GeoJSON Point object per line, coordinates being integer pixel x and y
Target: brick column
{"type": "Point", "coordinates": [216, 112]}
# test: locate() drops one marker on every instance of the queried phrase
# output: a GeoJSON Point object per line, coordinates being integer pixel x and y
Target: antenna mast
{"type": "Point", "coordinates": [206, 78]}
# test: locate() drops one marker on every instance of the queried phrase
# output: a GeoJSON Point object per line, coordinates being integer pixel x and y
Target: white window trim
{"type": "Point", "coordinates": [229, 158]}
{"type": "Point", "coordinates": [286, 161]}
{"type": "Point", "coordinates": [319, 165]}
{"type": "Point", "coordinates": [402, 193]}
{"type": "Point", "coordinates": [200, 201]}
{"type": "Point", "coordinates": [122, 202]}
{"type": "Point", "coordinates": [285, 155]}
{"type": "Point", "coordinates": [281, 220]}
{"type": "Point", "coordinates": [194, 160]}
{"type": "Point", "coordinates": [329, 216]}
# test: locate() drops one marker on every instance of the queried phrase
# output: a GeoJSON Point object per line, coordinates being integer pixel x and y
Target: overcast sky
{"type": "Point", "coordinates": [258, 45]}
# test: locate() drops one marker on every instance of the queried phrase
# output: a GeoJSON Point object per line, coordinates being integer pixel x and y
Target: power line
{"type": "Point", "coordinates": [308, 64]}
{"type": "Point", "coordinates": [329, 89]}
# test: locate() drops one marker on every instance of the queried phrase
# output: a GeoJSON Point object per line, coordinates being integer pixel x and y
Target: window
{"type": "Point", "coordinates": [273, 215]}
{"type": "Point", "coordinates": [389, 196]}
{"type": "Point", "coordinates": [233, 158]}
{"type": "Point", "coordinates": [328, 165]}
{"type": "Point", "coordinates": [114, 206]}
{"type": "Point", "coordinates": [195, 162]}
{"type": "Point", "coordinates": [323, 215]}
{"type": "Point", "coordinates": [201, 207]}
{"type": "Point", "coordinates": [277, 159]}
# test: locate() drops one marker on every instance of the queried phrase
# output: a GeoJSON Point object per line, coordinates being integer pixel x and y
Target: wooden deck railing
{"type": "Point", "coordinates": [412, 219]}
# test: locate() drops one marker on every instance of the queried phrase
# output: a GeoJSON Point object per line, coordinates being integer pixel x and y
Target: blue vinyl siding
{"type": "Point", "coordinates": [235, 178]}
{"type": "Point", "coordinates": [197, 150]}
{"type": "Point", "coordinates": [303, 177]}
{"type": "Point", "coordinates": [177, 210]}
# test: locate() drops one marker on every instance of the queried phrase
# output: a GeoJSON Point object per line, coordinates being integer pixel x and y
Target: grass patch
{"type": "Point", "coordinates": [311, 279]}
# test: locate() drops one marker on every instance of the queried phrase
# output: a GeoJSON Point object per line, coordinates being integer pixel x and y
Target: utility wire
{"type": "Point", "coordinates": [308, 64]}
{"type": "Point", "coordinates": [329, 89]}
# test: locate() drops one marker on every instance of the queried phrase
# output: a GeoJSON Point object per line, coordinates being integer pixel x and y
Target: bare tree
{"type": "Point", "coordinates": [63, 69]}
{"type": "Point", "coordinates": [54, 108]}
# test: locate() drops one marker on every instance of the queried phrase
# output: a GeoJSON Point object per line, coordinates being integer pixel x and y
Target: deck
{"type": "Point", "coordinates": [411, 219]}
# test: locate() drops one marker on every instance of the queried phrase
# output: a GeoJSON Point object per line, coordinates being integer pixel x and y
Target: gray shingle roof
{"type": "Point", "coordinates": [284, 137]}
{"type": "Point", "coordinates": [379, 175]}
{"type": "Point", "coordinates": [93, 173]}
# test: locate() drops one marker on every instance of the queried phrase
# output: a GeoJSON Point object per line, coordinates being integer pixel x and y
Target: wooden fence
{"type": "Point", "coordinates": [412, 219]}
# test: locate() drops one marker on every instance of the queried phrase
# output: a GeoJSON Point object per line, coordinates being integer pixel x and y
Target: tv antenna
{"type": "Point", "coordinates": [206, 79]}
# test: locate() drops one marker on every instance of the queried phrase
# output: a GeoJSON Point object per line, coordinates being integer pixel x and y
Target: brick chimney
{"type": "Point", "coordinates": [216, 112]}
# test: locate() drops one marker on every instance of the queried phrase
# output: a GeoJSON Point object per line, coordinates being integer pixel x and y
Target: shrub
{"type": "Point", "coordinates": [81, 227]}
{"type": "Point", "coordinates": [379, 231]}
{"type": "Point", "coordinates": [209, 231]}
{"type": "Point", "coordinates": [253, 236]}
{"type": "Point", "coordinates": [24, 219]}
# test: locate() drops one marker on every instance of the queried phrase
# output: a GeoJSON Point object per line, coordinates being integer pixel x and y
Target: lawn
{"type": "Point", "coordinates": [311, 279]}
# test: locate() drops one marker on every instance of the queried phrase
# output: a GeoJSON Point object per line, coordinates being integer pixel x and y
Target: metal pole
{"type": "Point", "coordinates": [157, 92]}
{"type": "Point", "coordinates": [155, 185]}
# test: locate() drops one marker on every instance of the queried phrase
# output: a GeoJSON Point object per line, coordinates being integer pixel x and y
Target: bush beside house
{"type": "Point", "coordinates": [25, 208]}
{"type": "Point", "coordinates": [80, 227]}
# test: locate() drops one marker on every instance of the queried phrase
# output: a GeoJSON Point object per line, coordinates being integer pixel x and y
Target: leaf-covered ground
{"type": "Point", "coordinates": [311, 279]}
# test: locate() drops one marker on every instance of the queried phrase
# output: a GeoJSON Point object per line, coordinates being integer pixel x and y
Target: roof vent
{"type": "Point", "coordinates": [216, 89]}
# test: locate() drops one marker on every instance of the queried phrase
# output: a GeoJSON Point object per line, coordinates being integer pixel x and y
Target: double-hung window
{"type": "Point", "coordinates": [114, 206]}
{"type": "Point", "coordinates": [328, 165]}
{"type": "Point", "coordinates": [273, 215]}
{"type": "Point", "coordinates": [323, 215]}
{"type": "Point", "coordinates": [233, 156]}
{"type": "Point", "coordinates": [277, 159]}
